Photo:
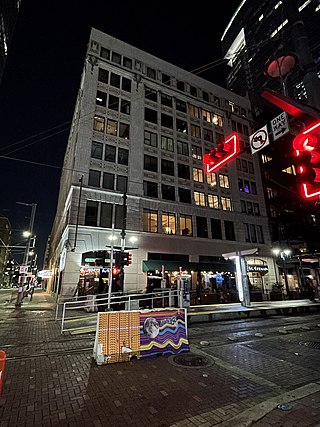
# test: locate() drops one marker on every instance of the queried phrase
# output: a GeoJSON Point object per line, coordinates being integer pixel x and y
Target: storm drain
{"type": "Point", "coordinates": [311, 344]}
{"type": "Point", "coordinates": [191, 360]}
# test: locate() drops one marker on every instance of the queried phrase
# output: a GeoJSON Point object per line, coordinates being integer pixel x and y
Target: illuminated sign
{"type": "Point", "coordinates": [224, 152]}
{"type": "Point", "coordinates": [44, 273]}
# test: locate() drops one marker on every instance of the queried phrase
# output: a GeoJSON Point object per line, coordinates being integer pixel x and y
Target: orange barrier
{"type": "Point", "coordinates": [2, 365]}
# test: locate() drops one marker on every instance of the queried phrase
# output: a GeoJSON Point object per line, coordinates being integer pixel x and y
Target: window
{"type": "Point", "coordinates": [127, 62]}
{"type": "Point", "coordinates": [122, 182]}
{"type": "Point", "coordinates": [196, 152]}
{"type": "Point", "coordinates": [195, 131]}
{"type": "Point", "coordinates": [197, 175]}
{"type": "Point", "coordinates": [124, 130]}
{"type": "Point", "coordinates": [119, 216]}
{"type": "Point", "coordinates": [185, 225]}
{"type": "Point", "coordinates": [125, 106]}
{"type": "Point", "coordinates": [182, 126]}
{"type": "Point", "coordinates": [207, 135]}
{"type": "Point", "coordinates": [113, 103]}
{"type": "Point", "coordinates": [199, 198]}
{"type": "Point", "coordinates": [206, 116]}
{"type": "Point", "coordinates": [202, 227]}
{"type": "Point", "coordinates": [253, 233]}
{"type": "Point", "coordinates": [101, 98]}
{"type": "Point", "coordinates": [91, 217]}
{"type": "Point", "coordinates": [126, 84]}
{"type": "Point", "coordinates": [150, 94]}
{"type": "Point", "coordinates": [112, 127]}
{"type": "Point", "coordinates": [151, 73]}
{"type": "Point", "coordinates": [224, 181]}
{"type": "Point", "coordinates": [167, 167]}
{"type": "Point", "coordinates": [166, 100]}
{"type": "Point", "coordinates": [150, 221]}
{"type": "Point", "coordinates": [108, 181]}
{"type": "Point", "coordinates": [150, 189]}
{"type": "Point", "coordinates": [110, 153]}
{"type": "Point", "coordinates": [212, 179]}
{"type": "Point", "coordinates": [181, 105]}
{"type": "Point", "coordinates": [150, 138]}
{"type": "Point", "coordinates": [151, 115]}
{"type": "Point", "coordinates": [243, 206]}
{"type": "Point", "coordinates": [168, 192]}
{"type": "Point", "coordinates": [213, 201]}
{"type": "Point", "coordinates": [216, 228]}
{"type": "Point", "coordinates": [96, 150]}
{"type": "Point", "coordinates": [253, 187]}
{"type": "Point", "coordinates": [217, 120]}
{"type": "Point", "coordinates": [166, 79]}
{"type": "Point", "coordinates": [183, 171]}
{"type": "Point", "coordinates": [168, 223]}
{"type": "Point", "coordinates": [183, 148]}
{"type": "Point", "coordinates": [244, 165]}
{"type": "Point", "coordinates": [229, 230]}
{"type": "Point", "coordinates": [180, 85]}
{"type": "Point", "coordinates": [150, 163]}
{"type": "Point", "coordinates": [256, 209]}
{"type": "Point", "coordinates": [166, 121]}
{"type": "Point", "coordinates": [98, 124]}
{"type": "Point", "coordinates": [205, 96]}
{"type": "Point", "coordinates": [104, 53]}
{"type": "Point", "coordinates": [184, 195]}
{"type": "Point", "coordinates": [103, 75]}
{"type": "Point", "coordinates": [249, 208]}
{"type": "Point", "coordinates": [114, 80]}
{"type": "Point", "coordinates": [94, 178]}
{"type": "Point", "coordinates": [166, 143]}
{"type": "Point", "coordinates": [194, 111]}
{"type": "Point", "coordinates": [226, 204]}
{"type": "Point", "coordinates": [116, 58]}
{"type": "Point", "coordinates": [106, 215]}
{"type": "Point", "coordinates": [193, 91]}
{"type": "Point", "coordinates": [123, 156]}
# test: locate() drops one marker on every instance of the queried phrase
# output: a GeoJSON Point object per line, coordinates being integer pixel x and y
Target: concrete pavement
{"type": "Point", "coordinates": [51, 379]}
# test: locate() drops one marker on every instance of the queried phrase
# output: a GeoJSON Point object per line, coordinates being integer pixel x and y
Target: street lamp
{"type": "Point", "coordinates": [283, 255]}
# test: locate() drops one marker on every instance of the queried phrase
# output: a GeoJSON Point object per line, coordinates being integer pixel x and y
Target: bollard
{"type": "Point", "coordinates": [2, 365]}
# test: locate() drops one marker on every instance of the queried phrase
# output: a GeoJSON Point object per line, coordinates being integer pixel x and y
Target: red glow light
{"type": "Point", "coordinates": [222, 154]}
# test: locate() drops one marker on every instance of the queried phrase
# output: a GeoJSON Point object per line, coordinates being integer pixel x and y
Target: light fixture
{"type": "Point", "coordinates": [133, 239]}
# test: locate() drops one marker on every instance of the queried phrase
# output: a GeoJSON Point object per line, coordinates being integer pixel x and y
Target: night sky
{"type": "Point", "coordinates": [42, 77]}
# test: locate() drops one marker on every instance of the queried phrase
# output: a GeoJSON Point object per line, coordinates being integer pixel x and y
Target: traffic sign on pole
{"type": "Point", "coordinates": [279, 125]}
{"type": "Point", "coordinates": [259, 139]}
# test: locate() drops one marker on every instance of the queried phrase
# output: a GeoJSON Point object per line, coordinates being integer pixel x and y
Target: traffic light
{"type": "Point", "coordinates": [222, 154]}
{"type": "Point", "coordinates": [129, 259]}
{"type": "Point", "coordinates": [307, 152]}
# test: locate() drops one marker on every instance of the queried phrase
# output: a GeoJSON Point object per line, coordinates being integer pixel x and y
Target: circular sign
{"type": "Point", "coordinates": [258, 139]}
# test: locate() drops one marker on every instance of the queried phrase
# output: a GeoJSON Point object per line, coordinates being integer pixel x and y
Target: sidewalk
{"type": "Point", "coordinates": [51, 379]}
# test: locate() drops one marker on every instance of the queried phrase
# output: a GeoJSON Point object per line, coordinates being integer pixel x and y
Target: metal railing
{"type": "Point", "coordinates": [79, 314]}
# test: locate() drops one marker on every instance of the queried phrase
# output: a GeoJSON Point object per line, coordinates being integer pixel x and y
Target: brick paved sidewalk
{"type": "Point", "coordinates": [52, 380]}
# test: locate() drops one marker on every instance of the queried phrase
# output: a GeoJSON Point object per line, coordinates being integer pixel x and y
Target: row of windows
{"type": "Point", "coordinates": [244, 165]}
{"type": "Point", "coordinates": [169, 223]}
{"type": "Point", "coordinates": [112, 79]}
{"type": "Point", "coordinates": [111, 127]}
{"type": "Point", "coordinates": [110, 153]}
{"type": "Point", "coordinates": [107, 180]}
{"type": "Point", "coordinates": [113, 102]}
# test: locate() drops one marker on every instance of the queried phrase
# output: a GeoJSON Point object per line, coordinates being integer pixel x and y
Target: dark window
{"type": "Point", "coordinates": [103, 75]}
{"type": "Point", "coordinates": [151, 115]}
{"type": "Point", "coordinates": [114, 80]}
{"type": "Point", "coordinates": [101, 98]}
{"type": "Point", "coordinates": [180, 85]}
{"type": "Point", "coordinates": [256, 209]}
{"type": "Point", "coordinates": [167, 167]}
{"type": "Point", "coordinates": [229, 230]}
{"type": "Point", "coordinates": [253, 233]}
{"type": "Point", "coordinates": [240, 184]}
{"type": "Point", "coordinates": [113, 103]}
{"type": "Point", "coordinates": [150, 138]}
{"type": "Point", "coordinates": [193, 91]}
{"type": "Point", "coordinates": [122, 183]}
{"type": "Point", "coordinates": [96, 150]}
{"type": "Point", "coordinates": [124, 130]}
{"type": "Point", "coordinates": [108, 181]}
{"type": "Point", "coordinates": [125, 106]}
{"type": "Point", "coordinates": [166, 79]}
{"type": "Point", "coordinates": [253, 188]}
{"type": "Point", "coordinates": [151, 94]}
{"type": "Point", "coordinates": [243, 206]}
{"type": "Point", "coordinates": [183, 148]}
{"type": "Point", "coordinates": [166, 121]}
{"type": "Point", "coordinates": [184, 195]}
{"type": "Point", "coordinates": [202, 227]}
{"type": "Point", "coordinates": [105, 53]}
{"type": "Point", "coordinates": [150, 163]}
{"type": "Point", "coordinates": [168, 192]}
{"type": "Point", "coordinates": [94, 178]}
{"type": "Point", "coordinates": [249, 208]}
{"type": "Point", "coordinates": [123, 156]}
{"type": "Point", "coordinates": [151, 73]}
{"type": "Point", "coordinates": [208, 135]}
{"type": "Point", "coordinates": [250, 167]}
{"type": "Point", "coordinates": [183, 171]}
{"type": "Point", "coordinates": [127, 62]}
{"type": "Point", "coordinates": [106, 215]}
{"type": "Point", "coordinates": [91, 213]}
{"type": "Point", "coordinates": [182, 126]}
{"type": "Point", "coordinates": [150, 189]}
{"type": "Point", "coordinates": [119, 216]}
{"type": "Point", "coordinates": [110, 153]}
{"type": "Point", "coordinates": [126, 84]}
{"type": "Point", "coordinates": [116, 58]}
{"type": "Point", "coordinates": [181, 106]}
{"type": "Point", "coordinates": [216, 228]}
{"type": "Point", "coordinates": [205, 96]}
{"type": "Point", "coordinates": [166, 100]}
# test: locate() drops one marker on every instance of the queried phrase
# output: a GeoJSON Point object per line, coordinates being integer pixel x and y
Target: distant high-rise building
{"type": "Point", "coordinates": [5, 235]}
{"type": "Point", "coordinates": [8, 16]}
{"type": "Point", "coordinates": [140, 130]}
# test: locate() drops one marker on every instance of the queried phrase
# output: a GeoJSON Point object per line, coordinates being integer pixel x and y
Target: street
{"type": "Point", "coordinates": [236, 374]}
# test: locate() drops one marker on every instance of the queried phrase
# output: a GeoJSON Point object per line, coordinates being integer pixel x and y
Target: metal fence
{"type": "Point", "coordinates": [79, 314]}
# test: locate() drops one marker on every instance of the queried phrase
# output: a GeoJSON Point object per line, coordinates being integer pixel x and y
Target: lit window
{"type": "Point", "coordinates": [199, 198]}
{"type": "Point", "coordinates": [185, 225]}
{"type": "Point", "coordinates": [212, 179]}
{"type": "Point", "coordinates": [197, 175]}
{"type": "Point", "coordinates": [224, 181]}
{"type": "Point", "coordinates": [150, 221]}
{"type": "Point", "coordinates": [98, 124]}
{"type": "Point", "coordinates": [217, 120]}
{"type": "Point", "coordinates": [112, 127]}
{"type": "Point", "coordinates": [226, 204]}
{"type": "Point", "coordinates": [168, 223]}
{"type": "Point", "coordinates": [213, 201]}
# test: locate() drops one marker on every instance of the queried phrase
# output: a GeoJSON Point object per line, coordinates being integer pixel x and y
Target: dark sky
{"type": "Point", "coordinates": [42, 76]}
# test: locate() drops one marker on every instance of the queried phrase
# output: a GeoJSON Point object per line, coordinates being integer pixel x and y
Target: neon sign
{"type": "Point", "coordinates": [221, 155]}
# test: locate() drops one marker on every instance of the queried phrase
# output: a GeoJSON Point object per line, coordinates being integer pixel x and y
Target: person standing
{"type": "Point", "coordinates": [31, 291]}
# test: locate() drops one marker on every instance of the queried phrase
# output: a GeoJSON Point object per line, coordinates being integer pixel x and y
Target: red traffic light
{"type": "Point", "coordinates": [222, 154]}
{"type": "Point", "coordinates": [129, 259]}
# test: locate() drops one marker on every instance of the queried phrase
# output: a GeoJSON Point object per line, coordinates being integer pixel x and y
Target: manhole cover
{"type": "Point", "coordinates": [191, 360]}
{"type": "Point", "coordinates": [311, 344]}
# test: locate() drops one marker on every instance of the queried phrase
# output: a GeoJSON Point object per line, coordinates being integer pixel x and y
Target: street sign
{"type": "Point", "coordinates": [23, 269]}
{"type": "Point", "coordinates": [259, 139]}
{"type": "Point", "coordinates": [279, 125]}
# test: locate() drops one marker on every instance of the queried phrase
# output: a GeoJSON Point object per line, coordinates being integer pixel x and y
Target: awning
{"type": "Point", "coordinates": [189, 266]}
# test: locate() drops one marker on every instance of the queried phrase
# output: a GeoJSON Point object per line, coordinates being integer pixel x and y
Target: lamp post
{"type": "Point", "coordinates": [283, 255]}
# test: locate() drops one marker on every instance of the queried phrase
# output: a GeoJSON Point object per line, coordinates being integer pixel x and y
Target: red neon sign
{"type": "Point", "coordinates": [307, 151]}
{"type": "Point", "coordinates": [219, 156]}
